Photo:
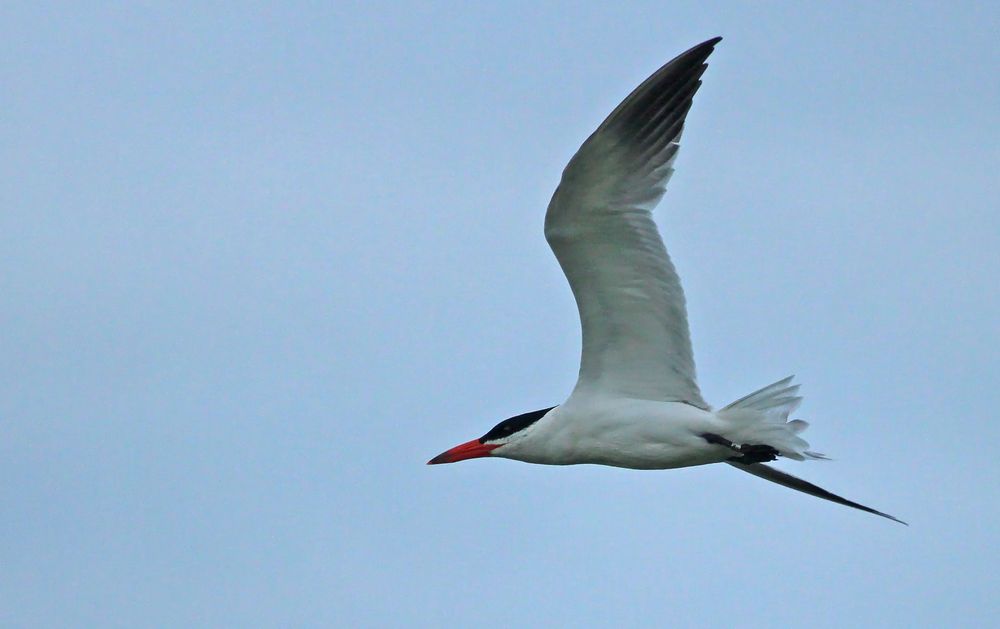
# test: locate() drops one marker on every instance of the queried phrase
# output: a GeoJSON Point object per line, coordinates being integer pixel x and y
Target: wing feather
{"type": "Point", "coordinates": [794, 482]}
{"type": "Point", "coordinates": [599, 224]}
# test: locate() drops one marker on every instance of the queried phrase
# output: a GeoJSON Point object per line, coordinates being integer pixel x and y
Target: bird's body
{"type": "Point", "coordinates": [621, 432]}
{"type": "Point", "coordinates": [637, 403]}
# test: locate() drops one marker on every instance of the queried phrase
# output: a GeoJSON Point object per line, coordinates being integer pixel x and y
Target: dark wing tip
{"type": "Point", "coordinates": [653, 114]}
{"type": "Point", "coordinates": [708, 44]}
{"type": "Point", "coordinates": [794, 482]}
{"type": "Point", "coordinates": [704, 49]}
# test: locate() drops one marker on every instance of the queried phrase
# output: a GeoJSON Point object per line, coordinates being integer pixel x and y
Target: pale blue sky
{"type": "Point", "coordinates": [262, 261]}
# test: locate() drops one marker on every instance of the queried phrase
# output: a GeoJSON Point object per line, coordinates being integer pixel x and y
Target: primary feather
{"type": "Point", "coordinates": [599, 224]}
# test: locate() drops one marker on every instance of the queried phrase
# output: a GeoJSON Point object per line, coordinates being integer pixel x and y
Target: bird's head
{"type": "Point", "coordinates": [506, 433]}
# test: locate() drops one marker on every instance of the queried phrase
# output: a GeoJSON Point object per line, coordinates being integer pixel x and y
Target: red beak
{"type": "Point", "coordinates": [468, 450]}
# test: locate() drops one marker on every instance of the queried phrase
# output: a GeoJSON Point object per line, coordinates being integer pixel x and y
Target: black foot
{"type": "Point", "coordinates": [755, 454]}
{"type": "Point", "coordinates": [748, 453]}
{"type": "Point", "coordinates": [718, 440]}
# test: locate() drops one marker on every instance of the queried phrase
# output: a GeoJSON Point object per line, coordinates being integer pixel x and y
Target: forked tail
{"type": "Point", "coordinates": [762, 418]}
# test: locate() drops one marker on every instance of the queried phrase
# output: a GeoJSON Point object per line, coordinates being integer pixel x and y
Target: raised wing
{"type": "Point", "coordinates": [599, 224]}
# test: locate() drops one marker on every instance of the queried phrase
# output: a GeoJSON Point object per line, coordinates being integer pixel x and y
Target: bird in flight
{"type": "Point", "coordinates": [636, 403]}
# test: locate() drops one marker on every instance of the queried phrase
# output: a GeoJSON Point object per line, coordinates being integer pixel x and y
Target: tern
{"type": "Point", "coordinates": [636, 403]}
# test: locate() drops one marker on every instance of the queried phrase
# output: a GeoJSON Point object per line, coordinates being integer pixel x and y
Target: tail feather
{"type": "Point", "coordinates": [762, 398]}
{"type": "Point", "coordinates": [762, 418]}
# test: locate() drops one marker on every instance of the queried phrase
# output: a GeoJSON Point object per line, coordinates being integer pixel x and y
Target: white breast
{"type": "Point", "coordinates": [621, 432]}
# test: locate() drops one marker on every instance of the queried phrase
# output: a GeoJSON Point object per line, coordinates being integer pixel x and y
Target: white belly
{"type": "Point", "coordinates": [639, 434]}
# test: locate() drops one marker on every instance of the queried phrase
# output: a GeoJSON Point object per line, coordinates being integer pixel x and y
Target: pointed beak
{"type": "Point", "coordinates": [468, 450]}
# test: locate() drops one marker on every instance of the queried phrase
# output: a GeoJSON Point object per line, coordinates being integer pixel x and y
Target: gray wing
{"type": "Point", "coordinates": [599, 224]}
{"type": "Point", "coordinates": [794, 482]}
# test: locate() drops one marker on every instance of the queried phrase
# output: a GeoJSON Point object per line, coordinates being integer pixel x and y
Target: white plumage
{"type": "Point", "coordinates": [636, 403]}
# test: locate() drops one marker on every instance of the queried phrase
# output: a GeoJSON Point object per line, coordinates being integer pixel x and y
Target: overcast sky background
{"type": "Point", "coordinates": [260, 262]}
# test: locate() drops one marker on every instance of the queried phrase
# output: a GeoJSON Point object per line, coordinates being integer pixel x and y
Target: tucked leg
{"type": "Point", "coordinates": [756, 453]}
{"type": "Point", "coordinates": [748, 453]}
